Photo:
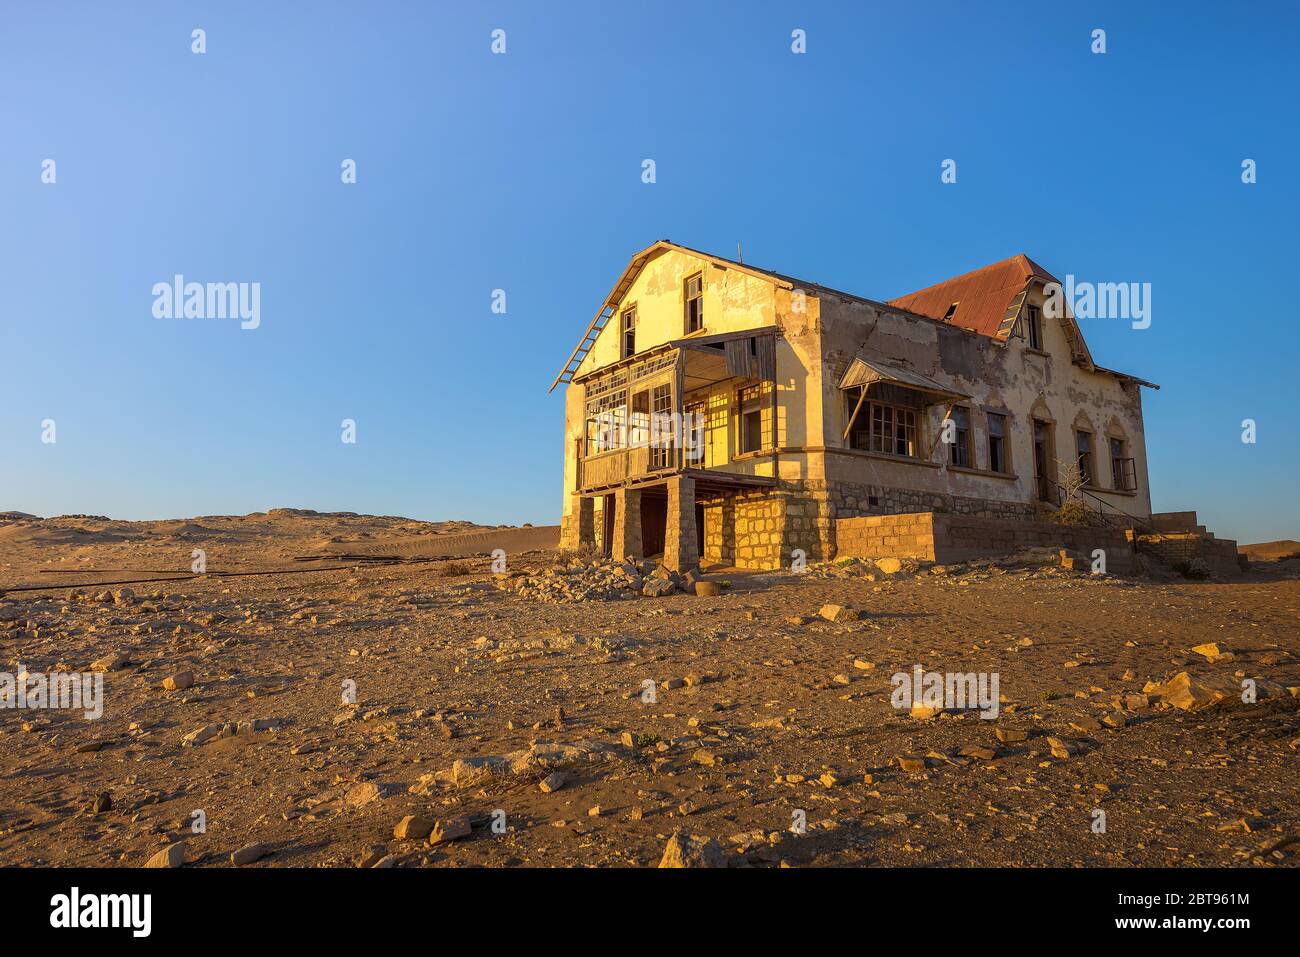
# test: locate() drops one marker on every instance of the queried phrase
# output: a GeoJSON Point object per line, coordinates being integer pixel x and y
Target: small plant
{"type": "Point", "coordinates": [453, 569]}
{"type": "Point", "coordinates": [1072, 513]}
{"type": "Point", "coordinates": [1046, 696]}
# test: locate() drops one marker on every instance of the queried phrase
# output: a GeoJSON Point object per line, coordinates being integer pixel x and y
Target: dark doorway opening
{"type": "Point", "coordinates": [699, 532]}
{"type": "Point", "coordinates": [654, 522]}
{"type": "Point", "coordinates": [1042, 461]}
{"type": "Point", "coordinates": [607, 526]}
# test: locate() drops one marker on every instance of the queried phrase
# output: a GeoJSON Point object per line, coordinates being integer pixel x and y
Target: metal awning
{"type": "Point", "coordinates": [868, 370]}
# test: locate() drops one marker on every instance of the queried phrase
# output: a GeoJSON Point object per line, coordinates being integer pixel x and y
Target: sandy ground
{"type": "Point", "coordinates": [764, 716]}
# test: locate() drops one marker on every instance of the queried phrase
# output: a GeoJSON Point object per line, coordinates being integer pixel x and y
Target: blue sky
{"type": "Point", "coordinates": [522, 171]}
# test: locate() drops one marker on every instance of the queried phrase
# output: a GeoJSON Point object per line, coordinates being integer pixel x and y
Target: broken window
{"type": "Point", "coordinates": [893, 430]}
{"type": "Point", "coordinates": [1083, 445]}
{"type": "Point", "coordinates": [952, 311]}
{"type": "Point", "coordinates": [1123, 473]}
{"type": "Point", "coordinates": [629, 333]}
{"type": "Point", "coordinates": [997, 442]}
{"type": "Point", "coordinates": [639, 431]}
{"type": "Point", "coordinates": [607, 422]}
{"type": "Point", "coordinates": [755, 407]}
{"type": "Point", "coordinates": [1034, 324]}
{"type": "Point", "coordinates": [959, 450]}
{"type": "Point", "coordinates": [693, 299]}
{"type": "Point", "coordinates": [661, 448]}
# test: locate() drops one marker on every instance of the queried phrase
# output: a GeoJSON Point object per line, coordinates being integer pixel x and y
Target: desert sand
{"type": "Point", "coordinates": [356, 710]}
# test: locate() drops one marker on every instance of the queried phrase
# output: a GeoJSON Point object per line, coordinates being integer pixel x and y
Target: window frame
{"type": "Point", "coordinates": [1004, 446]}
{"type": "Point", "coordinates": [688, 299]}
{"type": "Point", "coordinates": [625, 329]}
{"type": "Point", "coordinates": [961, 438]}
{"type": "Point", "coordinates": [1088, 475]}
{"type": "Point", "coordinates": [1034, 327]}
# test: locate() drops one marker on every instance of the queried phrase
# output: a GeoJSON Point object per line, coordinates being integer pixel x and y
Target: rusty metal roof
{"type": "Point", "coordinates": [982, 297]}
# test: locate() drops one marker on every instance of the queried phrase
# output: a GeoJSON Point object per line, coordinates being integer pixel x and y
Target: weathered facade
{"type": "Point", "coordinates": [803, 405]}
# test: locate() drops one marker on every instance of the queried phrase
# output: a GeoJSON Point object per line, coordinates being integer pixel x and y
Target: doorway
{"type": "Point", "coordinates": [607, 526]}
{"type": "Point", "coordinates": [1042, 461]}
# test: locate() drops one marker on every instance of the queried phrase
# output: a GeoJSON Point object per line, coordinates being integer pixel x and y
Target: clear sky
{"type": "Point", "coordinates": [522, 172]}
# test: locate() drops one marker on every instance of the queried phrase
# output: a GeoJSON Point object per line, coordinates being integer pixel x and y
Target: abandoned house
{"type": "Point", "coordinates": [721, 414]}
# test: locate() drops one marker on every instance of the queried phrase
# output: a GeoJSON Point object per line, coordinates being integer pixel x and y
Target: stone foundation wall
{"type": "Point", "coordinates": [851, 499]}
{"type": "Point", "coordinates": [943, 537]}
{"type": "Point", "coordinates": [1219, 554]}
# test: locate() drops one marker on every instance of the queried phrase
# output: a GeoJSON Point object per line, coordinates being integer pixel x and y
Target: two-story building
{"type": "Point", "coordinates": [804, 404]}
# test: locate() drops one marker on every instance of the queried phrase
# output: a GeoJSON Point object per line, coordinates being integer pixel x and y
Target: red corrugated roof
{"type": "Point", "coordinates": [982, 296]}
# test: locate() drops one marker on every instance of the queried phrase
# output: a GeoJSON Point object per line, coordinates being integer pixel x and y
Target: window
{"type": "Point", "coordinates": [694, 302]}
{"type": "Point", "coordinates": [959, 449]}
{"type": "Point", "coordinates": [952, 311]}
{"type": "Point", "coordinates": [1123, 474]}
{"type": "Point", "coordinates": [629, 333]}
{"type": "Point", "coordinates": [1034, 323]}
{"type": "Point", "coordinates": [607, 422]}
{"type": "Point", "coordinates": [884, 428]}
{"type": "Point", "coordinates": [1083, 444]}
{"type": "Point", "coordinates": [639, 431]}
{"type": "Point", "coordinates": [997, 442]}
{"type": "Point", "coordinates": [753, 404]}
{"type": "Point", "coordinates": [662, 439]}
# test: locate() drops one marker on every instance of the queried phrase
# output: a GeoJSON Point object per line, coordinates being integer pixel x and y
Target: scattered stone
{"type": "Point", "coordinates": [171, 856]}
{"type": "Point", "coordinates": [1011, 735]}
{"type": "Point", "coordinates": [689, 850]}
{"type": "Point", "coordinates": [248, 854]}
{"type": "Point", "coordinates": [553, 782]}
{"type": "Point", "coordinates": [413, 827]}
{"type": "Point", "coordinates": [911, 763]}
{"type": "Point", "coordinates": [838, 613]}
{"type": "Point", "coordinates": [110, 662]}
{"type": "Point", "coordinates": [452, 829]}
{"type": "Point", "coordinates": [179, 681]}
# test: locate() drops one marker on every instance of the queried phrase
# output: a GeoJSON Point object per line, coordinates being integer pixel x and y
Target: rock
{"type": "Point", "coordinates": [593, 811]}
{"type": "Point", "coordinates": [705, 589]}
{"type": "Point", "coordinates": [689, 850]}
{"type": "Point", "coordinates": [110, 662]}
{"type": "Point", "coordinates": [553, 782]}
{"type": "Point", "coordinates": [248, 854]}
{"type": "Point", "coordinates": [911, 763]}
{"type": "Point", "coordinates": [205, 733]}
{"type": "Point", "coordinates": [1085, 724]}
{"type": "Point", "coordinates": [451, 829]}
{"type": "Point", "coordinates": [1114, 719]}
{"type": "Point", "coordinates": [1011, 735]}
{"type": "Point", "coordinates": [171, 856]}
{"type": "Point", "coordinates": [413, 827]}
{"type": "Point", "coordinates": [705, 757]}
{"type": "Point", "coordinates": [658, 587]}
{"type": "Point", "coordinates": [359, 795]}
{"type": "Point", "coordinates": [863, 665]}
{"type": "Point", "coordinates": [1187, 693]}
{"type": "Point", "coordinates": [981, 751]}
{"type": "Point", "coordinates": [179, 681]}
{"type": "Point", "coordinates": [1212, 651]}
{"type": "Point", "coordinates": [889, 566]}
{"type": "Point", "coordinates": [123, 596]}
{"type": "Point", "coordinates": [832, 779]}
{"type": "Point", "coordinates": [838, 613]}
{"type": "Point", "coordinates": [1061, 748]}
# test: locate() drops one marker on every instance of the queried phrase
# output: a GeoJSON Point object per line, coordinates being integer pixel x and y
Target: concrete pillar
{"type": "Point", "coordinates": [681, 545]}
{"type": "Point", "coordinates": [627, 524]}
